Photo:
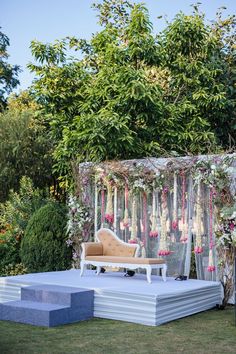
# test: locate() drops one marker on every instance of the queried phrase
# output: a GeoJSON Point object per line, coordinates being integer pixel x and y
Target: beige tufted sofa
{"type": "Point", "coordinates": [109, 250]}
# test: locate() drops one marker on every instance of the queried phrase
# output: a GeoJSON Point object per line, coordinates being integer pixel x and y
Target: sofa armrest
{"type": "Point", "coordinates": [91, 249]}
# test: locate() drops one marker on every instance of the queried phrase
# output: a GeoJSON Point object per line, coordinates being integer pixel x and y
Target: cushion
{"type": "Point", "coordinates": [130, 260]}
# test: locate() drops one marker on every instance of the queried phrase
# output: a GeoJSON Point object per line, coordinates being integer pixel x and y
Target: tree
{"type": "Point", "coordinates": [8, 73]}
{"type": "Point", "coordinates": [25, 147]}
{"type": "Point", "coordinates": [134, 94]}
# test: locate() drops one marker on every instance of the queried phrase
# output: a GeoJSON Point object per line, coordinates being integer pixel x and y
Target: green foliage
{"type": "Point", "coordinates": [133, 94]}
{"type": "Point", "coordinates": [25, 149]}
{"type": "Point", "coordinates": [8, 72]}
{"type": "Point", "coordinates": [13, 269]}
{"type": "Point", "coordinates": [43, 247]}
{"type": "Point", "coordinates": [14, 216]}
{"type": "Point", "coordinates": [9, 248]}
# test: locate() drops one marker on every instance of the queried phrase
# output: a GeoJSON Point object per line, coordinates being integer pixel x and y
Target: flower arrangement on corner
{"type": "Point", "coordinates": [226, 248]}
{"type": "Point", "coordinates": [78, 226]}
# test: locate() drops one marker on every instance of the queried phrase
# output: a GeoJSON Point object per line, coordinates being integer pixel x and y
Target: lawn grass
{"type": "Point", "coordinates": [208, 332]}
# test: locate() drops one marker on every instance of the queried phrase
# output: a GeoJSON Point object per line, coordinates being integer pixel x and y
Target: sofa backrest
{"type": "Point", "coordinates": [113, 246]}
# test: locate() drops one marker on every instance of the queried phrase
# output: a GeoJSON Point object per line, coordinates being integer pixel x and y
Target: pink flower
{"type": "Point", "coordinates": [132, 241]}
{"type": "Point", "coordinates": [153, 234]}
{"type": "Point", "coordinates": [165, 189]}
{"type": "Point", "coordinates": [175, 224]}
{"type": "Point", "coordinates": [109, 218]}
{"type": "Point", "coordinates": [211, 268]}
{"type": "Point", "coordinates": [231, 226]}
{"type": "Point", "coordinates": [198, 250]}
{"type": "Point", "coordinates": [183, 239]}
{"type": "Point", "coordinates": [164, 253]}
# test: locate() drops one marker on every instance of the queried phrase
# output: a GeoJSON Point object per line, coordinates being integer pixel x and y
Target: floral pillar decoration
{"type": "Point", "coordinates": [198, 225]}
{"type": "Point", "coordinates": [154, 231]}
{"type": "Point", "coordinates": [184, 236]}
{"type": "Point", "coordinates": [211, 266]}
{"type": "Point", "coordinates": [175, 205]}
{"type": "Point", "coordinates": [163, 248]}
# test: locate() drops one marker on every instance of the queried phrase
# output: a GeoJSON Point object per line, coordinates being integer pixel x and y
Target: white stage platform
{"type": "Point", "coordinates": [130, 299]}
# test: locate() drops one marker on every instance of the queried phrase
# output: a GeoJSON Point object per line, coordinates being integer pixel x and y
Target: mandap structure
{"type": "Point", "coordinates": [182, 209]}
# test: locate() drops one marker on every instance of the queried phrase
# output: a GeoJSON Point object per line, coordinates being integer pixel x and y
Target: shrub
{"type": "Point", "coordinates": [9, 248]}
{"type": "Point", "coordinates": [14, 216]}
{"type": "Point", "coordinates": [13, 269]}
{"type": "Point", "coordinates": [43, 247]}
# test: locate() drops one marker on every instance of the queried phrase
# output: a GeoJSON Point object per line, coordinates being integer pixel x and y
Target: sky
{"type": "Point", "coordinates": [47, 20]}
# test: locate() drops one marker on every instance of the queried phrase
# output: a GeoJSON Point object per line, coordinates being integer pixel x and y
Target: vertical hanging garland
{"type": "Point", "coordinates": [109, 215]}
{"type": "Point", "coordinates": [198, 224]}
{"type": "Point", "coordinates": [211, 267]}
{"type": "Point", "coordinates": [154, 231]}
{"type": "Point", "coordinates": [126, 212]}
{"type": "Point", "coordinates": [115, 208]}
{"type": "Point", "coordinates": [102, 206]}
{"type": "Point", "coordinates": [133, 238]}
{"type": "Point", "coordinates": [163, 248]}
{"type": "Point", "coordinates": [184, 236]}
{"type": "Point", "coordinates": [144, 214]}
{"type": "Point", "coordinates": [175, 204]}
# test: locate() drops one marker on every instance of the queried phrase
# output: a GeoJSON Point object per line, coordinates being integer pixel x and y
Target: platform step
{"type": "Point", "coordinates": [56, 294]}
{"type": "Point", "coordinates": [49, 305]}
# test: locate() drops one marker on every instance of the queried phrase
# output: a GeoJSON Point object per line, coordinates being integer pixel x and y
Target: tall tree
{"type": "Point", "coordinates": [134, 94]}
{"type": "Point", "coordinates": [8, 73]}
{"type": "Point", "coordinates": [25, 146]}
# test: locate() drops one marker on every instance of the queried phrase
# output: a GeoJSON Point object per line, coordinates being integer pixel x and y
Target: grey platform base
{"type": "Point", "coordinates": [49, 305]}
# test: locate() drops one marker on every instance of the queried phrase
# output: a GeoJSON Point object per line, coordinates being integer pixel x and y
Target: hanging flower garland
{"type": "Point", "coordinates": [109, 214]}
{"type": "Point", "coordinates": [163, 247]}
{"type": "Point", "coordinates": [211, 266]}
{"type": "Point", "coordinates": [133, 238]}
{"type": "Point", "coordinates": [126, 212]}
{"type": "Point", "coordinates": [154, 231]}
{"type": "Point", "coordinates": [175, 204]}
{"type": "Point", "coordinates": [184, 236]}
{"type": "Point", "coordinates": [199, 227]}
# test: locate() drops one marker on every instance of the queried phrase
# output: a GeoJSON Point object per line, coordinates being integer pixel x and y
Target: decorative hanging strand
{"type": "Point", "coordinates": [133, 238]}
{"type": "Point", "coordinates": [103, 206]}
{"type": "Point", "coordinates": [154, 231]}
{"type": "Point", "coordinates": [95, 209]}
{"type": "Point", "coordinates": [184, 236]}
{"type": "Point", "coordinates": [175, 205]}
{"type": "Point", "coordinates": [211, 266]}
{"type": "Point", "coordinates": [144, 214]}
{"type": "Point", "coordinates": [163, 248]}
{"type": "Point", "coordinates": [198, 224]}
{"type": "Point", "coordinates": [126, 212]}
{"type": "Point", "coordinates": [109, 216]}
{"type": "Point", "coordinates": [115, 208]}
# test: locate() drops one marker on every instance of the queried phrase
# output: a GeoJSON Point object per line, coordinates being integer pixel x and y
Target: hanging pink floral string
{"type": "Point", "coordinates": [126, 212]}
{"type": "Point", "coordinates": [184, 236]}
{"type": "Point", "coordinates": [163, 247]}
{"type": "Point", "coordinates": [154, 231]}
{"type": "Point", "coordinates": [198, 224]}
{"type": "Point", "coordinates": [211, 266]}
{"type": "Point", "coordinates": [175, 205]}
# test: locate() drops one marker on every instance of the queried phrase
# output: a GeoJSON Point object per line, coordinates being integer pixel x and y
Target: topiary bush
{"type": "Point", "coordinates": [43, 247]}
